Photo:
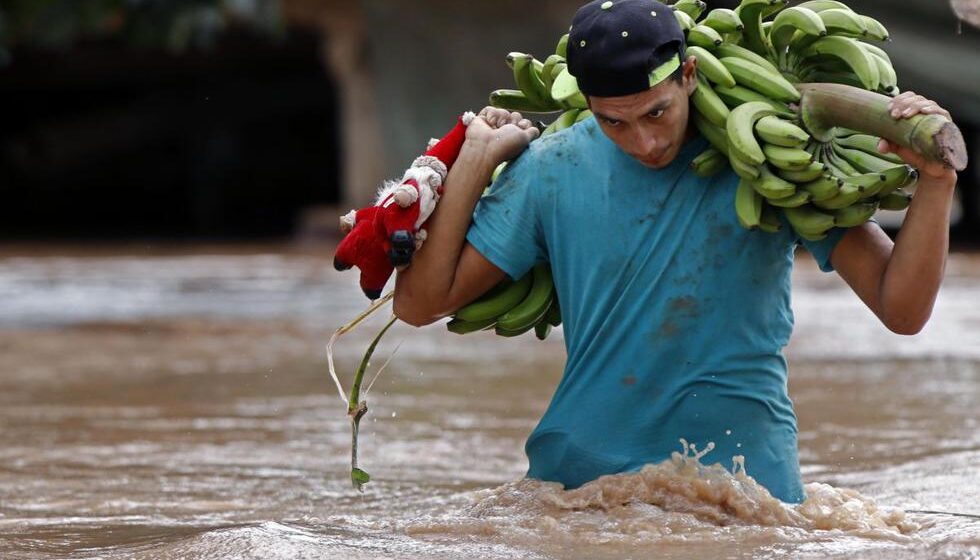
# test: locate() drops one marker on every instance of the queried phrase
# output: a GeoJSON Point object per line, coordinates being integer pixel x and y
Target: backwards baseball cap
{"type": "Point", "coordinates": [622, 47]}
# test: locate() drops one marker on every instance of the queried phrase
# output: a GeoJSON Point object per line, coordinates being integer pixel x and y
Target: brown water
{"type": "Point", "coordinates": [177, 405]}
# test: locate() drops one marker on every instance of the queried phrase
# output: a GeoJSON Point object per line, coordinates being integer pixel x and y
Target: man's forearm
{"type": "Point", "coordinates": [430, 277]}
{"type": "Point", "coordinates": [915, 269]}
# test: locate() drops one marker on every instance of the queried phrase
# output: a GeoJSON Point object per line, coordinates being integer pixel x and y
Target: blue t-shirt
{"type": "Point", "coordinates": [674, 315]}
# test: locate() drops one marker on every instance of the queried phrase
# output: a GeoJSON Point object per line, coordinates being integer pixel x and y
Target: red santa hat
{"type": "Point", "coordinates": [443, 153]}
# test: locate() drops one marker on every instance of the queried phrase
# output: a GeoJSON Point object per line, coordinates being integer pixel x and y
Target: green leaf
{"type": "Point", "coordinates": [359, 477]}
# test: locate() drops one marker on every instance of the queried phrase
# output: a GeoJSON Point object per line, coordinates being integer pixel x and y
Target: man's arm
{"type": "Point", "coordinates": [899, 281]}
{"type": "Point", "coordinates": [446, 272]}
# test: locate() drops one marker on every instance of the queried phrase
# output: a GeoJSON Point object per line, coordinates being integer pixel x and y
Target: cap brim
{"type": "Point", "coordinates": [565, 86]}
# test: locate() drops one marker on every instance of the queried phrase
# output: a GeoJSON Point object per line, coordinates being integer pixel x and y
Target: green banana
{"type": "Point", "coordinates": [750, 12]}
{"type": "Point", "coordinates": [868, 144]}
{"type": "Point", "coordinates": [792, 159]}
{"type": "Point", "coordinates": [869, 184]}
{"type": "Point", "coordinates": [511, 333]}
{"type": "Point", "coordinates": [810, 173]}
{"type": "Point", "coordinates": [853, 55]}
{"type": "Point", "coordinates": [516, 100]}
{"type": "Point", "coordinates": [528, 78]}
{"type": "Point", "coordinates": [711, 67]}
{"type": "Point", "coordinates": [459, 326]}
{"type": "Point", "coordinates": [760, 79]}
{"type": "Point", "coordinates": [565, 120]}
{"type": "Point", "coordinates": [497, 171]}
{"type": "Point", "coordinates": [542, 330]}
{"type": "Point", "coordinates": [708, 163]}
{"type": "Point", "coordinates": [797, 199]}
{"type": "Point", "coordinates": [877, 51]}
{"type": "Point", "coordinates": [723, 20]}
{"type": "Point", "coordinates": [887, 78]}
{"type": "Point", "coordinates": [685, 21]}
{"type": "Point", "coordinates": [583, 114]}
{"type": "Point", "coordinates": [781, 132]}
{"type": "Point", "coordinates": [898, 177]}
{"type": "Point", "coordinates": [771, 186]}
{"type": "Point", "coordinates": [808, 222]}
{"type": "Point", "coordinates": [562, 48]}
{"type": "Point", "coordinates": [898, 200]}
{"type": "Point", "coordinates": [716, 135]}
{"type": "Point", "coordinates": [692, 8]}
{"type": "Point", "coordinates": [742, 168]}
{"type": "Point", "coordinates": [709, 104]}
{"type": "Point", "coordinates": [553, 316]}
{"type": "Point", "coordinates": [863, 161]}
{"type": "Point", "coordinates": [704, 36]}
{"type": "Point", "coordinates": [792, 19]}
{"type": "Point", "coordinates": [823, 188]}
{"type": "Point", "coordinates": [548, 74]}
{"type": "Point", "coordinates": [839, 21]}
{"type": "Point", "coordinates": [733, 50]}
{"type": "Point", "coordinates": [838, 165]}
{"type": "Point", "coordinates": [846, 196]}
{"type": "Point", "coordinates": [821, 5]}
{"type": "Point", "coordinates": [855, 214]}
{"type": "Point", "coordinates": [748, 205]}
{"type": "Point", "coordinates": [530, 310]}
{"type": "Point", "coordinates": [741, 131]}
{"type": "Point", "coordinates": [876, 30]}
{"type": "Point", "coordinates": [497, 301]}
{"type": "Point", "coordinates": [769, 221]}
{"type": "Point", "coordinates": [735, 96]}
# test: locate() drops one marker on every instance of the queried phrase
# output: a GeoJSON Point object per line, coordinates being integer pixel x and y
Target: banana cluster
{"type": "Point", "coordinates": [513, 308]}
{"type": "Point", "coordinates": [749, 62]}
{"type": "Point", "coordinates": [536, 93]}
{"type": "Point", "coordinates": [746, 102]}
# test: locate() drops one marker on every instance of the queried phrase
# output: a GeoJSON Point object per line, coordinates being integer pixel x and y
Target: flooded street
{"type": "Point", "coordinates": [177, 404]}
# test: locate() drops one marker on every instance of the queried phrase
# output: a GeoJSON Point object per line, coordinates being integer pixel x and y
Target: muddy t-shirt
{"type": "Point", "coordinates": [674, 315]}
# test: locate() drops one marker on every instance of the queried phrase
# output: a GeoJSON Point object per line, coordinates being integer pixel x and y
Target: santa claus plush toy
{"type": "Point", "coordinates": [384, 236]}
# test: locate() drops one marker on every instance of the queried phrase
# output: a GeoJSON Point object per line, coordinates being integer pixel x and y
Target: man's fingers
{"type": "Point", "coordinates": [525, 123]}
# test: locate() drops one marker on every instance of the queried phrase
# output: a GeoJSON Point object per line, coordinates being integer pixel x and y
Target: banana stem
{"type": "Point", "coordinates": [356, 409]}
{"type": "Point", "coordinates": [825, 106]}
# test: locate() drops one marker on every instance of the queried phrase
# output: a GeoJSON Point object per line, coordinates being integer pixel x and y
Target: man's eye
{"type": "Point", "coordinates": [656, 113]}
{"type": "Point", "coordinates": [611, 122]}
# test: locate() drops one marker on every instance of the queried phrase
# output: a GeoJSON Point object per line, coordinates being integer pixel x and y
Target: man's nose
{"type": "Point", "coordinates": [644, 143]}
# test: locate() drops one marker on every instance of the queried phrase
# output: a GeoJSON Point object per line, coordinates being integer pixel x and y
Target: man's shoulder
{"type": "Point", "coordinates": [554, 145]}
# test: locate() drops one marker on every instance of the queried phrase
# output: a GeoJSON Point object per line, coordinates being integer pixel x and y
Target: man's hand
{"type": "Point", "coordinates": [502, 134]}
{"type": "Point", "coordinates": [903, 106]}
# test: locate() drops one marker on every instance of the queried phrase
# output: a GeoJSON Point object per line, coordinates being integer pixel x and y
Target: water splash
{"type": "Point", "coordinates": [680, 498]}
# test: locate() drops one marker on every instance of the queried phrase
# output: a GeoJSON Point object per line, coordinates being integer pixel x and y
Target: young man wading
{"type": "Point", "coordinates": [674, 315]}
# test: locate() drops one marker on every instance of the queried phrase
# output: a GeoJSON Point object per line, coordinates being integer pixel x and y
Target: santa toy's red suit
{"type": "Point", "coordinates": [384, 236]}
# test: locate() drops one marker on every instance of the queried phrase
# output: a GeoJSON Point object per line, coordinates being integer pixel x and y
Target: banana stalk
{"type": "Point", "coordinates": [357, 408]}
{"type": "Point", "coordinates": [825, 106]}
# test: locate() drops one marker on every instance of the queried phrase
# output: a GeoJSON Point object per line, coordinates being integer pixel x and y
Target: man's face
{"type": "Point", "coordinates": [652, 125]}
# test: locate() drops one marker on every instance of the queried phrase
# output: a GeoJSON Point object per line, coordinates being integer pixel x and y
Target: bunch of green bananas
{"type": "Point", "coordinates": [536, 93]}
{"type": "Point", "coordinates": [746, 104]}
{"type": "Point", "coordinates": [513, 308]}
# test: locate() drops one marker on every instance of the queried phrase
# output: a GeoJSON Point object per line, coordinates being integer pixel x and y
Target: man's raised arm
{"type": "Point", "coordinates": [446, 272]}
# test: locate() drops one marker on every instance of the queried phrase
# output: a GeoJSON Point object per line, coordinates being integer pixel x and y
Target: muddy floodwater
{"type": "Point", "coordinates": [165, 404]}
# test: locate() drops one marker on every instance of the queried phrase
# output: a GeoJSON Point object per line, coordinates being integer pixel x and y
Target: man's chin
{"type": "Point", "coordinates": [657, 163]}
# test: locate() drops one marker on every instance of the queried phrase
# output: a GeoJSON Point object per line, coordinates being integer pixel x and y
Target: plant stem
{"type": "Point", "coordinates": [825, 106]}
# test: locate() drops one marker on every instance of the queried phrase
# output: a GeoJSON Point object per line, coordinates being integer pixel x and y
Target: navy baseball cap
{"type": "Point", "coordinates": [622, 47]}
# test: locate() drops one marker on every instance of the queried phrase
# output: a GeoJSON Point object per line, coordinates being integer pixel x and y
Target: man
{"type": "Point", "coordinates": [674, 315]}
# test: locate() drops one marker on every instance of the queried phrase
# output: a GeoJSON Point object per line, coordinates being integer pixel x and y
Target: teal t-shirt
{"type": "Point", "coordinates": [674, 315]}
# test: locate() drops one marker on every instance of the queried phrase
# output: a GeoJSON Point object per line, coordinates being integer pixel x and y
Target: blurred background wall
{"type": "Point", "coordinates": [265, 118]}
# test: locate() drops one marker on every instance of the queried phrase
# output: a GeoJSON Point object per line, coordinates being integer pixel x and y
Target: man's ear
{"type": "Point", "coordinates": [690, 75]}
